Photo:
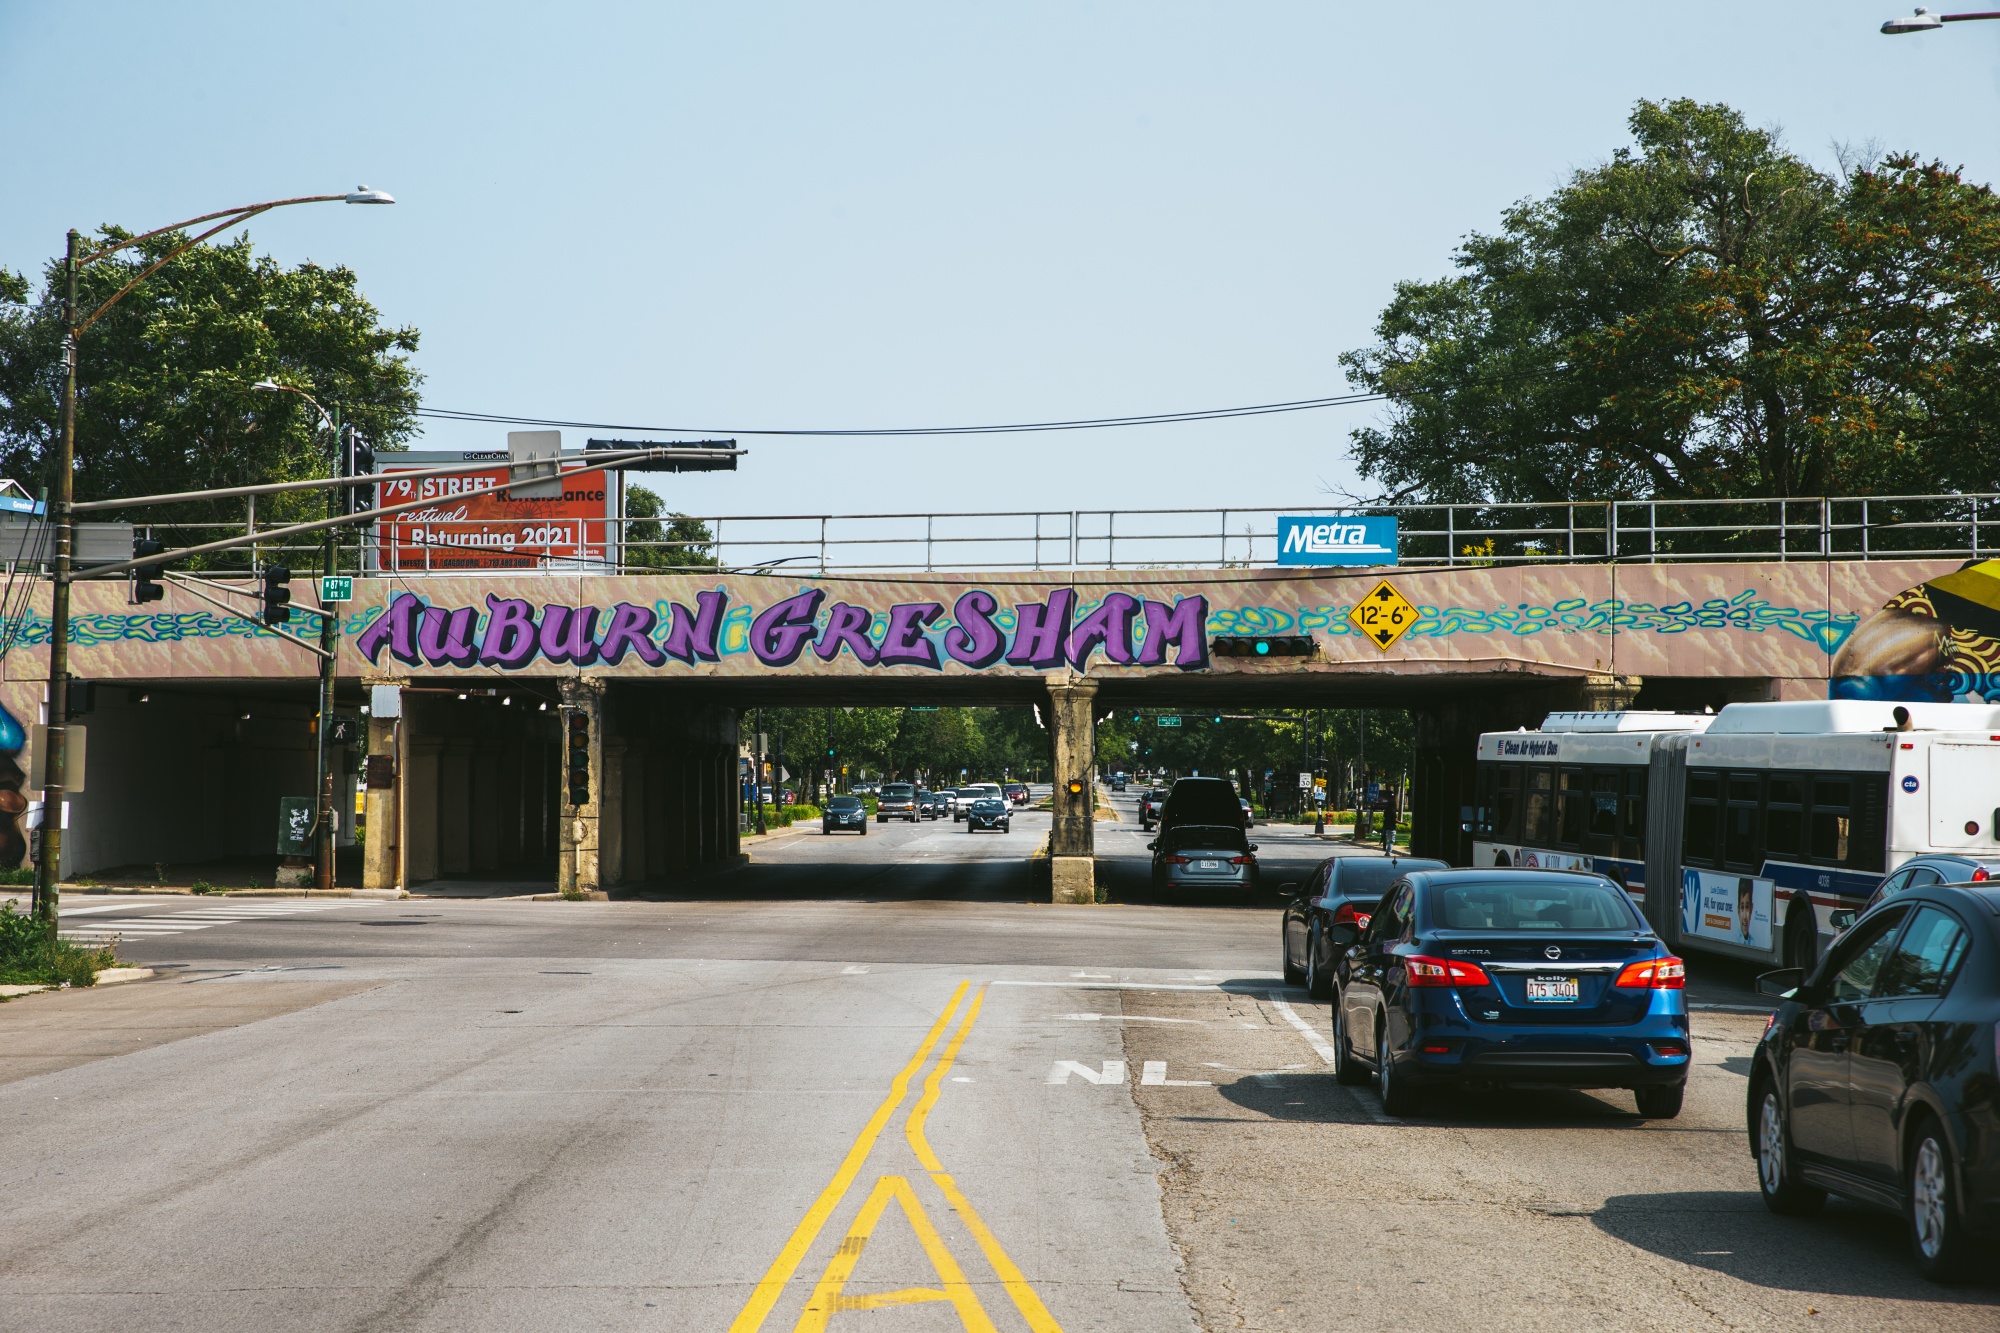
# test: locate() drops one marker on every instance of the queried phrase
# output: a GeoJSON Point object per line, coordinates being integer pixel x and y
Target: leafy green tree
{"type": "Point", "coordinates": [1705, 315]}
{"type": "Point", "coordinates": [163, 384]}
{"type": "Point", "coordinates": [678, 543]}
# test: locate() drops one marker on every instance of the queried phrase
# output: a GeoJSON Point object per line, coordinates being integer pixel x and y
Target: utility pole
{"type": "Point", "coordinates": [329, 635]}
{"type": "Point", "coordinates": [757, 778]}
{"type": "Point", "coordinates": [48, 866]}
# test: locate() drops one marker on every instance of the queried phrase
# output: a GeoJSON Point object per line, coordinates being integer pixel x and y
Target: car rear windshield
{"type": "Point", "coordinates": [898, 789]}
{"type": "Point", "coordinates": [1203, 801]}
{"type": "Point", "coordinates": [1371, 878]}
{"type": "Point", "coordinates": [1219, 836]}
{"type": "Point", "coordinates": [844, 803]}
{"type": "Point", "coordinates": [1500, 905]}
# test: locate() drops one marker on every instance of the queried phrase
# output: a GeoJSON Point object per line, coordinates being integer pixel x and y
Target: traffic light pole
{"type": "Point", "coordinates": [55, 770]}
{"type": "Point", "coordinates": [329, 636]}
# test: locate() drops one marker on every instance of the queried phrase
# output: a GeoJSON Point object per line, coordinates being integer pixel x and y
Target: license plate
{"type": "Point", "coordinates": [1552, 990]}
{"type": "Point", "coordinates": [1211, 865]}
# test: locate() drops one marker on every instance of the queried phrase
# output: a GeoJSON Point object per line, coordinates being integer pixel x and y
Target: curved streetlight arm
{"type": "Point", "coordinates": [1925, 21]}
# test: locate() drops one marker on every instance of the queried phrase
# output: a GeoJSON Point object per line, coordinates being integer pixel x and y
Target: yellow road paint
{"type": "Point", "coordinates": [1011, 1277]}
{"type": "Point", "coordinates": [772, 1285]}
{"type": "Point", "coordinates": [827, 1297]}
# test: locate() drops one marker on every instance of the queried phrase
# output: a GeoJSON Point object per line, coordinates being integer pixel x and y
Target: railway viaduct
{"type": "Point", "coordinates": [200, 721]}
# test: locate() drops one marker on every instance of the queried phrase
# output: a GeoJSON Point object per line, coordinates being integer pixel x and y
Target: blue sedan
{"type": "Point", "coordinates": [1495, 977]}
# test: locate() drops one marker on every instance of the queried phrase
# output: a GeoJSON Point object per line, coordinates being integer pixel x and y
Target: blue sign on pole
{"type": "Point", "coordinates": [1322, 540]}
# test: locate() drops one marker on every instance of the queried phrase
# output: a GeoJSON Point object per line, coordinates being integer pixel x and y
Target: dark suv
{"type": "Point", "coordinates": [1201, 801]}
{"type": "Point", "coordinates": [897, 801]}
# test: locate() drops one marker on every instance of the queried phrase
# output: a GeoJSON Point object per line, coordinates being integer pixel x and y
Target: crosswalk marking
{"type": "Point", "coordinates": [175, 923]}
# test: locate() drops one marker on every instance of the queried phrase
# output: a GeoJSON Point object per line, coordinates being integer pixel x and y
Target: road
{"type": "Point", "coordinates": [863, 1082]}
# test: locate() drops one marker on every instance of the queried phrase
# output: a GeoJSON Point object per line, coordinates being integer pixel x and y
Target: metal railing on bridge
{"type": "Point", "coordinates": [1958, 526]}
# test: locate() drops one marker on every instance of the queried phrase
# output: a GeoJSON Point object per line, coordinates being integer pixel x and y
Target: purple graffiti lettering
{"type": "Point", "coordinates": [1040, 631]}
{"type": "Point", "coordinates": [1109, 627]}
{"type": "Point", "coordinates": [1184, 625]}
{"type": "Point", "coordinates": [569, 635]}
{"type": "Point", "coordinates": [395, 628]}
{"type": "Point", "coordinates": [782, 630]}
{"type": "Point", "coordinates": [975, 640]}
{"type": "Point", "coordinates": [631, 627]}
{"type": "Point", "coordinates": [510, 634]}
{"type": "Point", "coordinates": [848, 625]}
{"type": "Point", "coordinates": [692, 635]}
{"type": "Point", "coordinates": [445, 637]}
{"type": "Point", "coordinates": [904, 644]}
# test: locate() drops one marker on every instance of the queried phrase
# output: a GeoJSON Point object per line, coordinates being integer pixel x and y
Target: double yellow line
{"type": "Point", "coordinates": [772, 1285]}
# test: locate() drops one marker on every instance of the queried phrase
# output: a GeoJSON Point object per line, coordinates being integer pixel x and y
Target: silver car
{"type": "Point", "coordinates": [1204, 856]}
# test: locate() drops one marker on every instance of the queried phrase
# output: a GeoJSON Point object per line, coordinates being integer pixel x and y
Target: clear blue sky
{"type": "Point", "coordinates": [737, 215]}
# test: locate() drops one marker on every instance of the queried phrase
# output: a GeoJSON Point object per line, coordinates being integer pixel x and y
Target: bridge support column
{"type": "Point", "coordinates": [380, 862]}
{"type": "Point", "coordinates": [577, 869]}
{"type": "Point", "coordinates": [1610, 694]}
{"type": "Point", "coordinates": [1072, 724]}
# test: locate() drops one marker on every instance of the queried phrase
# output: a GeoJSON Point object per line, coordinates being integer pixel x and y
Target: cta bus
{"type": "Point", "coordinates": [1743, 833]}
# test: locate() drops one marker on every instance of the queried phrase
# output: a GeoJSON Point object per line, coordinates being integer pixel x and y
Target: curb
{"type": "Point", "coordinates": [167, 890]}
{"type": "Point", "coordinates": [113, 976]}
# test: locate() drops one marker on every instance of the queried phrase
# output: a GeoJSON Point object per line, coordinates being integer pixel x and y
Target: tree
{"type": "Point", "coordinates": [1705, 315]}
{"type": "Point", "coordinates": [679, 543]}
{"type": "Point", "coordinates": [163, 382]}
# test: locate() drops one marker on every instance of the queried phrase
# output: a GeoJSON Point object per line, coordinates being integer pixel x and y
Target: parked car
{"type": "Point", "coordinates": [1017, 792]}
{"type": "Point", "coordinates": [989, 812]}
{"type": "Point", "coordinates": [1150, 802]}
{"type": "Point", "coordinates": [1504, 976]}
{"type": "Point", "coordinates": [1204, 856]}
{"type": "Point", "coordinates": [897, 801]}
{"type": "Point", "coordinates": [844, 812]}
{"type": "Point", "coordinates": [1343, 891]}
{"type": "Point", "coordinates": [1876, 1077]}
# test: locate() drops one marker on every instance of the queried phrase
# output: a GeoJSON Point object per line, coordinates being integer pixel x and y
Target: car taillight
{"type": "Point", "coordinates": [1980, 876]}
{"type": "Point", "coordinates": [1654, 974]}
{"type": "Point", "coordinates": [1347, 914]}
{"type": "Point", "coordinates": [1241, 860]}
{"type": "Point", "coordinates": [1423, 971]}
{"type": "Point", "coordinates": [1177, 860]}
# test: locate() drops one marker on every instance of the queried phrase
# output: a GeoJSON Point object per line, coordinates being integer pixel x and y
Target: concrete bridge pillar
{"type": "Point", "coordinates": [1072, 724]}
{"type": "Point", "coordinates": [577, 868]}
{"type": "Point", "coordinates": [381, 864]}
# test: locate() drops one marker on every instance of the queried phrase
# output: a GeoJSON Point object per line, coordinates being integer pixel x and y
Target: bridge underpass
{"type": "Point", "coordinates": [659, 669]}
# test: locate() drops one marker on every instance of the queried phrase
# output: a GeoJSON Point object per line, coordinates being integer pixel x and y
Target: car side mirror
{"type": "Point", "coordinates": [1252, 846]}
{"type": "Point", "coordinates": [1342, 935]}
{"type": "Point", "coordinates": [1152, 846]}
{"type": "Point", "coordinates": [1782, 982]}
{"type": "Point", "coordinates": [1289, 889]}
{"type": "Point", "coordinates": [1843, 918]}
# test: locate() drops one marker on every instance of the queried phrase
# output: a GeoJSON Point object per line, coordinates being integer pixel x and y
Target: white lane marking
{"type": "Point", "coordinates": [1105, 985]}
{"type": "Point", "coordinates": [960, 1078]}
{"type": "Point", "coordinates": [1367, 1105]}
{"type": "Point", "coordinates": [68, 912]}
{"type": "Point", "coordinates": [1114, 1072]}
{"type": "Point", "coordinates": [854, 970]}
{"type": "Point", "coordinates": [1154, 1075]}
{"type": "Point", "coordinates": [1127, 1018]}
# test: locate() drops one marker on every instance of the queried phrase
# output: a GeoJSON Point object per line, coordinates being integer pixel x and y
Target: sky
{"type": "Point", "coordinates": [728, 217]}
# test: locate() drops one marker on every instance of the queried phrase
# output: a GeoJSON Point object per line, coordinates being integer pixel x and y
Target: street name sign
{"type": "Point", "coordinates": [1170, 720]}
{"type": "Point", "coordinates": [336, 588]}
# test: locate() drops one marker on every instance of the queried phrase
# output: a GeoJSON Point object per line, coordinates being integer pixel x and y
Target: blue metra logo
{"type": "Point", "coordinates": [1337, 541]}
{"type": "Point", "coordinates": [1910, 782]}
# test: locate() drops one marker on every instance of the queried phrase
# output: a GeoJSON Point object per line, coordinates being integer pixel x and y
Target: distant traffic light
{"type": "Point", "coordinates": [1261, 645]}
{"type": "Point", "coordinates": [146, 585]}
{"type": "Point", "coordinates": [276, 594]}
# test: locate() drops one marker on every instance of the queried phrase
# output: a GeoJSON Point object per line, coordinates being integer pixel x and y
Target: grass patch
{"type": "Point", "coordinates": [203, 886]}
{"type": "Point", "coordinates": [18, 875]}
{"type": "Point", "coordinates": [32, 956]}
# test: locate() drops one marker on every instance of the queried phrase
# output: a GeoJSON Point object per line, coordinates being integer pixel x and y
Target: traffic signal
{"type": "Point", "coordinates": [576, 726]}
{"type": "Point", "coordinates": [1261, 645]}
{"type": "Point", "coordinates": [276, 594]}
{"type": "Point", "coordinates": [359, 461]}
{"type": "Point", "coordinates": [146, 585]}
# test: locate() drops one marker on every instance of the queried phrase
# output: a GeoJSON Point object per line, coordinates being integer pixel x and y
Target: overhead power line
{"type": "Point", "coordinates": [1012, 428]}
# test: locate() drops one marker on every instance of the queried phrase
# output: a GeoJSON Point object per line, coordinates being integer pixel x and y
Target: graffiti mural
{"type": "Point", "coordinates": [1938, 641]}
{"type": "Point", "coordinates": [13, 803]}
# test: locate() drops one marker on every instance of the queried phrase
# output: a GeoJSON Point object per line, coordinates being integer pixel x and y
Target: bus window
{"type": "Point", "coordinates": [1871, 822]}
{"type": "Point", "coordinates": [1507, 803]}
{"type": "Point", "coordinates": [1739, 824]}
{"type": "Point", "coordinates": [1603, 832]}
{"type": "Point", "coordinates": [1573, 808]}
{"type": "Point", "coordinates": [1633, 827]}
{"type": "Point", "coordinates": [1698, 837]}
{"type": "Point", "coordinates": [1831, 819]}
{"type": "Point", "coordinates": [1482, 810]}
{"type": "Point", "coordinates": [1785, 815]}
{"type": "Point", "coordinates": [1538, 817]}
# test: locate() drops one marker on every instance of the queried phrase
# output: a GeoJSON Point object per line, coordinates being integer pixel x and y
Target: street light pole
{"type": "Point", "coordinates": [1925, 21]}
{"type": "Point", "coordinates": [48, 861]}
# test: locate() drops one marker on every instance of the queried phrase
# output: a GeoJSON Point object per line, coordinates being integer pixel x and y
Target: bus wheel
{"type": "Point", "coordinates": [1801, 939]}
{"type": "Point", "coordinates": [1500, 859]}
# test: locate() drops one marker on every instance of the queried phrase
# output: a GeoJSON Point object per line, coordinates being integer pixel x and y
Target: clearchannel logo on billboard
{"type": "Point", "coordinates": [1336, 541]}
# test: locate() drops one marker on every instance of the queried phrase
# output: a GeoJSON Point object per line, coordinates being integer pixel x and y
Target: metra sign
{"type": "Point", "coordinates": [1336, 541]}
{"type": "Point", "coordinates": [511, 634]}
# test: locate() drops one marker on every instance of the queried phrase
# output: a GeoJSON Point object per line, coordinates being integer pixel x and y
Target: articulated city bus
{"type": "Point", "coordinates": [1743, 833]}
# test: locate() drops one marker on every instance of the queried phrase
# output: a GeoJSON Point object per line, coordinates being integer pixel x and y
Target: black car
{"type": "Point", "coordinates": [1201, 801]}
{"type": "Point", "coordinates": [844, 812]}
{"type": "Point", "coordinates": [989, 813]}
{"type": "Point", "coordinates": [1493, 977]}
{"type": "Point", "coordinates": [1342, 892]}
{"type": "Point", "coordinates": [1878, 1078]}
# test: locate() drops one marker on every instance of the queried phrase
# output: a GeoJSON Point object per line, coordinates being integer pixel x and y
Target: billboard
{"type": "Point", "coordinates": [474, 525]}
{"type": "Point", "coordinates": [1320, 540]}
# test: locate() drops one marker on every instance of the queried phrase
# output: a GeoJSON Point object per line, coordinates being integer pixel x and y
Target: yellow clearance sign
{"type": "Point", "coordinates": [1384, 615]}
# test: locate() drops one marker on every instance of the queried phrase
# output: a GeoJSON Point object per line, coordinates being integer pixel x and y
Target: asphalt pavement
{"type": "Point", "coordinates": [860, 1082]}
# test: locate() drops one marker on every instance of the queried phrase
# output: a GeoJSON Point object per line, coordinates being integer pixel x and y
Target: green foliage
{"type": "Point", "coordinates": [203, 886]}
{"type": "Point", "coordinates": [685, 543]}
{"type": "Point", "coordinates": [163, 382]}
{"type": "Point", "coordinates": [1705, 315]}
{"type": "Point", "coordinates": [929, 746]}
{"type": "Point", "coordinates": [18, 875]}
{"type": "Point", "coordinates": [32, 956]}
